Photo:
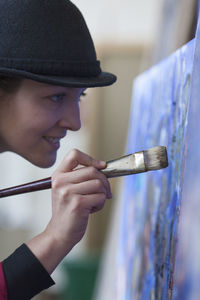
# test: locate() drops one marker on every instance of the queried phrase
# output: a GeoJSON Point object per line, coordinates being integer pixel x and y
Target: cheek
{"type": "Point", "coordinates": [39, 120]}
{"type": "Point", "coordinates": [31, 126]}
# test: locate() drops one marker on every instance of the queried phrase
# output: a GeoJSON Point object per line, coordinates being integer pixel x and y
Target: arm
{"type": "Point", "coordinates": [75, 194]}
{"type": "Point", "coordinates": [24, 275]}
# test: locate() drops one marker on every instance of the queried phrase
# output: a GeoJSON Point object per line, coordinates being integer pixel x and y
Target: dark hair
{"type": "Point", "coordinates": [9, 84]}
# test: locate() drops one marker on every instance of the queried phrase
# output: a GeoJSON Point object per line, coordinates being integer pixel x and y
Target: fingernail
{"type": "Point", "coordinates": [102, 163]}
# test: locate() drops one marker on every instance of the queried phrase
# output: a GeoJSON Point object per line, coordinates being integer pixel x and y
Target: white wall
{"type": "Point", "coordinates": [121, 21]}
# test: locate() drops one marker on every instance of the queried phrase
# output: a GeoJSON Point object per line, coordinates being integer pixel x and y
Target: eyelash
{"type": "Point", "coordinates": [83, 94]}
{"type": "Point", "coordinates": [59, 95]}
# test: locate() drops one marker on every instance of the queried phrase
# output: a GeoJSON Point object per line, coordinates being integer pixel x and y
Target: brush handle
{"type": "Point", "coordinates": [115, 168]}
{"type": "Point", "coordinates": [38, 185]}
{"type": "Point", "coordinates": [125, 165]}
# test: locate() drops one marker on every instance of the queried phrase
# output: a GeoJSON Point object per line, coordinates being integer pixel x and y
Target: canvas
{"type": "Point", "coordinates": [152, 254]}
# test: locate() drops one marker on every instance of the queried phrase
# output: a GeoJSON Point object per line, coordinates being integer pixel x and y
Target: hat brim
{"type": "Point", "coordinates": [104, 79]}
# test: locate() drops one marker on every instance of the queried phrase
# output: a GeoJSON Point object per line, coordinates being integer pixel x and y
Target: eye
{"type": "Point", "coordinates": [57, 98]}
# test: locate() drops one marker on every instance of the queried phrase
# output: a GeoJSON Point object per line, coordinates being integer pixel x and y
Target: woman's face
{"type": "Point", "coordinates": [35, 118]}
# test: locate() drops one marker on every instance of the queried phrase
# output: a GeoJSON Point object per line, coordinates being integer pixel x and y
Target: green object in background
{"type": "Point", "coordinates": [81, 276]}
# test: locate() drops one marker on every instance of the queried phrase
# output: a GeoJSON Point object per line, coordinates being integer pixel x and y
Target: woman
{"type": "Point", "coordinates": [47, 60]}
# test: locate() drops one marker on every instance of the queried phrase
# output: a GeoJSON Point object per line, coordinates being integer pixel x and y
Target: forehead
{"type": "Point", "coordinates": [35, 86]}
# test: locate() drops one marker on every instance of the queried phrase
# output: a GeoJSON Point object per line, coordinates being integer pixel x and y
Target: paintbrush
{"type": "Point", "coordinates": [138, 162]}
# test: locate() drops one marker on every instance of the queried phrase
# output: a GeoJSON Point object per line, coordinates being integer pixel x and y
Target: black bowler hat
{"type": "Point", "coordinates": [48, 41]}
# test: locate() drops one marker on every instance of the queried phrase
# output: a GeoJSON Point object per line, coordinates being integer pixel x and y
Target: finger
{"type": "Point", "coordinates": [94, 202]}
{"type": "Point", "coordinates": [75, 158]}
{"type": "Point", "coordinates": [85, 174]}
{"type": "Point", "coordinates": [94, 186]}
{"type": "Point", "coordinates": [89, 173]}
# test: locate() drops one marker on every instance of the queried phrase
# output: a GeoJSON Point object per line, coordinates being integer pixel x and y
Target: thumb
{"type": "Point", "coordinates": [75, 158]}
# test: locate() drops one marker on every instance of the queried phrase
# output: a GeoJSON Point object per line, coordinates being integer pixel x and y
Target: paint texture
{"type": "Point", "coordinates": [187, 267]}
{"type": "Point", "coordinates": [151, 204]}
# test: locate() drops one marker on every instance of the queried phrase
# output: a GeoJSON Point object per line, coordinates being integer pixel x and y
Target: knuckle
{"type": "Point", "coordinates": [66, 191]}
{"type": "Point", "coordinates": [92, 170]}
{"type": "Point", "coordinates": [74, 153]}
{"type": "Point", "coordinates": [62, 192]}
{"type": "Point", "coordinates": [98, 184]}
{"type": "Point", "coordinates": [77, 203]}
{"type": "Point", "coordinates": [61, 196]}
{"type": "Point", "coordinates": [55, 181]}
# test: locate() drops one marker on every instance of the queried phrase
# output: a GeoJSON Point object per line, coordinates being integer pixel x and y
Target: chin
{"type": "Point", "coordinates": [45, 165]}
{"type": "Point", "coordinates": [44, 162]}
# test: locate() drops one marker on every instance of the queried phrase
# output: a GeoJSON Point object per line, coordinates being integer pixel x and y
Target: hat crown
{"type": "Point", "coordinates": [48, 41]}
{"type": "Point", "coordinates": [50, 30]}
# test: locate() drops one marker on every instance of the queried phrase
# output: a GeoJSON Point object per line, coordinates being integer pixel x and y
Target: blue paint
{"type": "Point", "coordinates": [187, 267]}
{"type": "Point", "coordinates": [151, 201]}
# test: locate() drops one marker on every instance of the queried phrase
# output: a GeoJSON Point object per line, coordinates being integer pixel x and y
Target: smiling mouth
{"type": "Point", "coordinates": [53, 140]}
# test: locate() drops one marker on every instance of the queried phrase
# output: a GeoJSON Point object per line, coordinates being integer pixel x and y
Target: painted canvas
{"type": "Point", "coordinates": [151, 255]}
{"type": "Point", "coordinates": [187, 267]}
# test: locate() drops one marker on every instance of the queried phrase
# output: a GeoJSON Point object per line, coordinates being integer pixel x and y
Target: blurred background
{"type": "Point", "coordinates": [130, 36]}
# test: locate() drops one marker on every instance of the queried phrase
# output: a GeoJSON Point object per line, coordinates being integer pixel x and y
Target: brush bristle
{"type": "Point", "coordinates": [156, 158]}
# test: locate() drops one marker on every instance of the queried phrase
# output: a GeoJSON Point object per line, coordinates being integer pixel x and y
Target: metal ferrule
{"type": "Point", "coordinates": [126, 165]}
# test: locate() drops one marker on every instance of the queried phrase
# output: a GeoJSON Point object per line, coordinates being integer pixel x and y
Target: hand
{"type": "Point", "coordinates": [75, 194]}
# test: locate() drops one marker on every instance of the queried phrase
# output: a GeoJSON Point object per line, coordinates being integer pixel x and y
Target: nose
{"type": "Point", "coordinates": [70, 117]}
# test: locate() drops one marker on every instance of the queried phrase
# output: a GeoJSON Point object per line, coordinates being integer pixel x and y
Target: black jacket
{"type": "Point", "coordinates": [24, 274]}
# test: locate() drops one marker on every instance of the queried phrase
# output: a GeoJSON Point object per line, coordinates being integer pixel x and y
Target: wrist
{"type": "Point", "coordinates": [48, 250]}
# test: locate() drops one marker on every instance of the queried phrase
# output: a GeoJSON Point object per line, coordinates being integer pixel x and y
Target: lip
{"type": "Point", "coordinates": [54, 145]}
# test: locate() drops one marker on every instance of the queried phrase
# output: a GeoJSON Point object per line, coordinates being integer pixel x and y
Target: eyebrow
{"type": "Point", "coordinates": [52, 90]}
{"type": "Point", "coordinates": [61, 94]}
